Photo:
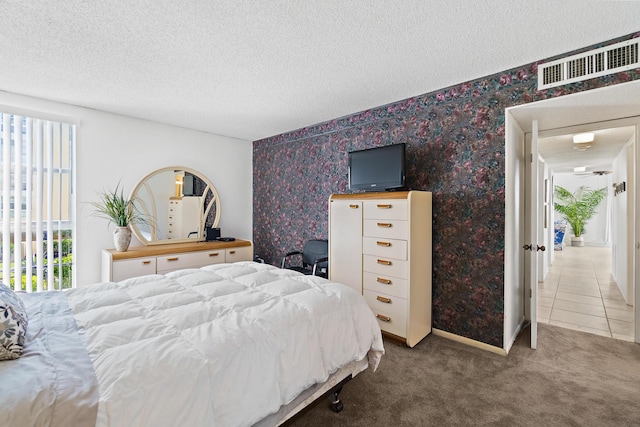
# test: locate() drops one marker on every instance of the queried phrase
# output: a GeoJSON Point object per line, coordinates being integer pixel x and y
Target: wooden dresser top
{"type": "Point", "coordinates": [372, 195]}
{"type": "Point", "coordinates": [174, 248]}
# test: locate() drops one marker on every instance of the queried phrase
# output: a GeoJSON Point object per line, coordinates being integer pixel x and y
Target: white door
{"type": "Point", "coordinates": [531, 233]}
{"type": "Point", "coordinates": [345, 242]}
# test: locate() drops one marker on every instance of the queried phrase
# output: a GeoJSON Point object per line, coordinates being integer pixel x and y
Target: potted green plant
{"type": "Point", "coordinates": [122, 212]}
{"type": "Point", "coordinates": [577, 208]}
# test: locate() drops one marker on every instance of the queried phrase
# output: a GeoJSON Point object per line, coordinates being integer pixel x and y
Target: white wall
{"type": "Point", "coordinates": [112, 148]}
{"type": "Point", "coordinates": [597, 228]}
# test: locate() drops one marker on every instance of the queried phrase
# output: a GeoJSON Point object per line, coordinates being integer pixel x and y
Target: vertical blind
{"type": "Point", "coordinates": [37, 203]}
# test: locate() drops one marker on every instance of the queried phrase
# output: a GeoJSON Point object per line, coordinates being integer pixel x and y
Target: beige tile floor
{"type": "Point", "coordinates": [580, 293]}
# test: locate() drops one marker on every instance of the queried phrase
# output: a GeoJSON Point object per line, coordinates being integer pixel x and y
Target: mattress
{"type": "Point", "coordinates": [223, 345]}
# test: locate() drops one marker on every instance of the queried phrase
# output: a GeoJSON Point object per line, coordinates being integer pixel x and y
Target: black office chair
{"type": "Point", "coordinates": [315, 258]}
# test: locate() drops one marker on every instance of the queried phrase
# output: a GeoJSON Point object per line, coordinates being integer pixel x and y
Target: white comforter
{"type": "Point", "coordinates": [224, 345]}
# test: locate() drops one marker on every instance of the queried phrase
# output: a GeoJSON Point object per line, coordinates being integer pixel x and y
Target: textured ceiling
{"type": "Point", "coordinates": [253, 69]}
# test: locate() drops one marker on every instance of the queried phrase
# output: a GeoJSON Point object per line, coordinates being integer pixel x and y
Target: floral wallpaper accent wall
{"type": "Point", "coordinates": [455, 149]}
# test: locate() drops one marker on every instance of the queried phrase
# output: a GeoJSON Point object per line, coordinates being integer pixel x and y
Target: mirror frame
{"type": "Point", "coordinates": [208, 187]}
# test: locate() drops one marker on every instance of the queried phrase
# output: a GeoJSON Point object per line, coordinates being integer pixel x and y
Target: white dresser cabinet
{"type": "Point", "coordinates": [184, 217]}
{"type": "Point", "coordinates": [380, 245]}
{"type": "Point", "coordinates": [345, 242]}
{"type": "Point", "coordinates": [162, 259]}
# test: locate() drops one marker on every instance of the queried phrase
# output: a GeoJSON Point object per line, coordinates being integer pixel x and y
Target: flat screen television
{"type": "Point", "coordinates": [377, 169]}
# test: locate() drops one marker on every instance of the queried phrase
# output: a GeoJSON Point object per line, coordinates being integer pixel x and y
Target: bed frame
{"type": "Point", "coordinates": [330, 388]}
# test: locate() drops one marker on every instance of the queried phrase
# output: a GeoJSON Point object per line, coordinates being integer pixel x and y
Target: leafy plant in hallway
{"type": "Point", "coordinates": [578, 207]}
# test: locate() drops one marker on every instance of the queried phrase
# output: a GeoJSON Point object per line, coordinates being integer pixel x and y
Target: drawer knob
{"type": "Point", "coordinates": [214, 254]}
{"type": "Point", "coordinates": [354, 206]}
{"type": "Point", "coordinates": [384, 206]}
{"type": "Point", "coordinates": [232, 252]}
{"type": "Point", "coordinates": [384, 262]}
{"type": "Point", "coordinates": [146, 262]}
{"type": "Point", "coordinates": [383, 299]}
{"type": "Point", "coordinates": [383, 281]}
{"type": "Point", "coordinates": [172, 259]}
{"type": "Point", "coordinates": [383, 318]}
{"type": "Point", "coordinates": [387, 244]}
{"type": "Point", "coordinates": [385, 224]}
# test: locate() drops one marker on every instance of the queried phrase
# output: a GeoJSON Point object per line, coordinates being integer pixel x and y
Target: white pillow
{"type": "Point", "coordinates": [13, 324]}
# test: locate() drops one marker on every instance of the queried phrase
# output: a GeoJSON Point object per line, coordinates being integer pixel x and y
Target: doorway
{"type": "Point", "coordinates": [586, 109]}
{"type": "Point", "coordinates": [589, 288]}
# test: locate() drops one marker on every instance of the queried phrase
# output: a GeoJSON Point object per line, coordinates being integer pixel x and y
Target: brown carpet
{"type": "Point", "coordinates": [572, 379]}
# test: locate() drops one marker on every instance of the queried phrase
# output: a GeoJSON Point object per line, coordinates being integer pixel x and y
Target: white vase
{"type": "Point", "coordinates": [122, 238]}
{"type": "Point", "coordinates": [577, 241]}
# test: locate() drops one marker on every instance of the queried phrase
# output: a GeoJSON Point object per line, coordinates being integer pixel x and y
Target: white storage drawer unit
{"type": "Point", "coordinates": [184, 217]}
{"type": "Point", "coordinates": [382, 247]}
{"type": "Point", "coordinates": [173, 262]}
{"type": "Point", "coordinates": [243, 253]}
{"type": "Point", "coordinates": [385, 209]}
{"type": "Point", "coordinates": [162, 259]}
{"type": "Point", "coordinates": [132, 267]}
{"type": "Point", "coordinates": [388, 228]}
{"type": "Point", "coordinates": [386, 285]}
{"type": "Point", "coordinates": [380, 244]}
{"type": "Point", "coordinates": [389, 310]}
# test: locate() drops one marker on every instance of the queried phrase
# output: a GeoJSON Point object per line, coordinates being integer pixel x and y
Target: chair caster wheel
{"type": "Point", "coordinates": [337, 406]}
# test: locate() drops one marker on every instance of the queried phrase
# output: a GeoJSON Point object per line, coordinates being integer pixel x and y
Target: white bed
{"type": "Point", "coordinates": [225, 345]}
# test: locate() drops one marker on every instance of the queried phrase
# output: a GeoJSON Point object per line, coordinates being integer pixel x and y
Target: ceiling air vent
{"type": "Point", "coordinates": [598, 62]}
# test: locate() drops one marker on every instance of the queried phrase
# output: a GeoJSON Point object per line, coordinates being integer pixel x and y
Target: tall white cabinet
{"type": "Point", "coordinates": [380, 244]}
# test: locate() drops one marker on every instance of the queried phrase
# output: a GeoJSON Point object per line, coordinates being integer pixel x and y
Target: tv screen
{"type": "Point", "coordinates": [377, 169]}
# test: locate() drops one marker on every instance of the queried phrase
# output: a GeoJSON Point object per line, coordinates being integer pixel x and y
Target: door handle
{"type": "Point", "coordinates": [541, 248]}
{"type": "Point", "coordinates": [527, 247]}
{"type": "Point", "coordinates": [383, 317]}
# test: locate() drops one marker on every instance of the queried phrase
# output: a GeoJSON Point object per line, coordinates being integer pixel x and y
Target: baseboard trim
{"type": "Point", "coordinates": [508, 345]}
{"type": "Point", "coordinates": [469, 342]}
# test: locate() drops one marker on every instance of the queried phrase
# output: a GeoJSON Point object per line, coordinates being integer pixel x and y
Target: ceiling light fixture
{"type": "Point", "coordinates": [580, 169]}
{"type": "Point", "coordinates": [582, 147]}
{"type": "Point", "coordinates": [581, 138]}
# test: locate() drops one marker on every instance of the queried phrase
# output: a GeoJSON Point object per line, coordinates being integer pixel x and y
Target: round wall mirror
{"type": "Point", "coordinates": [180, 202]}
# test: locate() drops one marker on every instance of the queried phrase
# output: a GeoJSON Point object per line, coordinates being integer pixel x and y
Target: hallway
{"type": "Point", "coordinates": [579, 293]}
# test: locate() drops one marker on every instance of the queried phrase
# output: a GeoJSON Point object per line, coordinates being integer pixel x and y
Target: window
{"type": "Point", "coordinates": [36, 203]}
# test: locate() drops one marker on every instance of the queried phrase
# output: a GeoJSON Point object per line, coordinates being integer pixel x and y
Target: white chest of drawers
{"type": "Point", "coordinates": [184, 217]}
{"type": "Point", "coordinates": [162, 259]}
{"type": "Point", "coordinates": [380, 244]}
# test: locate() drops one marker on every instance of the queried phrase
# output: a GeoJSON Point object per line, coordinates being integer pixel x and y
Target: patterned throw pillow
{"type": "Point", "coordinates": [13, 324]}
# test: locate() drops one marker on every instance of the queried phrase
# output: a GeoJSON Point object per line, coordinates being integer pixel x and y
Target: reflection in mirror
{"type": "Point", "coordinates": [180, 201]}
